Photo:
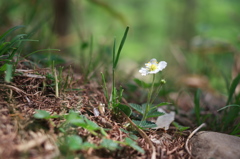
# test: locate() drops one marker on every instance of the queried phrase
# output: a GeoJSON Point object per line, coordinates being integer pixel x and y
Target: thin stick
{"type": "Point", "coordinates": [190, 136]}
{"type": "Point", "coordinates": [143, 134]}
{"type": "Point", "coordinates": [56, 83]}
{"type": "Point", "coordinates": [16, 89]}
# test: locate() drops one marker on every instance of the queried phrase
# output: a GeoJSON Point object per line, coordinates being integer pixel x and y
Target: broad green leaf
{"type": "Point", "coordinates": [75, 119]}
{"type": "Point", "coordinates": [144, 124]}
{"type": "Point", "coordinates": [233, 86]}
{"type": "Point", "coordinates": [130, 134]}
{"type": "Point", "coordinates": [54, 116]}
{"type": "Point", "coordinates": [144, 107]}
{"type": "Point", "coordinates": [103, 131]}
{"type": "Point", "coordinates": [154, 113]}
{"type": "Point", "coordinates": [109, 144]}
{"type": "Point", "coordinates": [74, 142]}
{"type": "Point", "coordinates": [161, 104]}
{"type": "Point", "coordinates": [136, 107]}
{"type": "Point", "coordinates": [134, 145]}
{"type": "Point", "coordinates": [179, 127]}
{"type": "Point", "coordinates": [41, 114]}
{"type": "Point", "coordinates": [90, 125]}
{"type": "Point", "coordinates": [125, 109]}
{"type": "Point", "coordinates": [87, 145]}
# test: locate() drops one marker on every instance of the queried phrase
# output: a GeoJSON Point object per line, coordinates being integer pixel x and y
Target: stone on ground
{"type": "Point", "coordinates": [206, 145]}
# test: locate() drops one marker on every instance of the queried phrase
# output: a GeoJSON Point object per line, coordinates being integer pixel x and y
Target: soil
{"type": "Point", "coordinates": [23, 136]}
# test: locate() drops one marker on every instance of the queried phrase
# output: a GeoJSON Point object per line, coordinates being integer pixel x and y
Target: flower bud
{"type": "Point", "coordinates": [163, 81]}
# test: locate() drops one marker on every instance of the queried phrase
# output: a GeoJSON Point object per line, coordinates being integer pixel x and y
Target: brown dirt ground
{"type": "Point", "coordinates": [22, 136]}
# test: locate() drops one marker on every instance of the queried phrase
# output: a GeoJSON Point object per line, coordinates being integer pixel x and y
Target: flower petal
{"type": "Point", "coordinates": [162, 65]}
{"type": "Point", "coordinates": [143, 71]}
{"type": "Point", "coordinates": [153, 61]}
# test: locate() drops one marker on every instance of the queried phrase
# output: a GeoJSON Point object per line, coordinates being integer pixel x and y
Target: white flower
{"type": "Point", "coordinates": [152, 67]}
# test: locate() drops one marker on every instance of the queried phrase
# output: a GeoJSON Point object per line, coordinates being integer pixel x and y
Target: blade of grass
{"type": "Point", "coordinates": [120, 47]}
{"type": "Point", "coordinates": [10, 31]}
{"type": "Point", "coordinates": [40, 51]}
{"type": "Point", "coordinates": [233, 105]}
{"type": "Point", "coordinates": [113, 75]}
{"type": "Point", "coordinates": [233, 86]}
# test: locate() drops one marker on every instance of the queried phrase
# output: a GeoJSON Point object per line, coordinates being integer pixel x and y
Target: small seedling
{"type": "Point", "coordinates": [116, 95]}
{"type": "Point", "coordinates": [73, 142]}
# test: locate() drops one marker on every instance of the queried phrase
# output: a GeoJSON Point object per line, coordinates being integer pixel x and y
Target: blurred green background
{"type": "Point", "coordinates": [198, 38]}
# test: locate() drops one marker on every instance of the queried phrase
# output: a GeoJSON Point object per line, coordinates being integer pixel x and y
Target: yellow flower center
{"type": "Point", "coordinates": [153, 67]}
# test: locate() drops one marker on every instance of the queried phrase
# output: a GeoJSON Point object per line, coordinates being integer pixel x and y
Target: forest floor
{"type": "Point", "coordinates": [23, 136]}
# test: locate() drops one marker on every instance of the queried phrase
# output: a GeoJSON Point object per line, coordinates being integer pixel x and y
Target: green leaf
{"type": "Point", "coordinates": [134, 145]}
{"type": "Point", "coordinates": [91, 125]}
{"type": "Point", "coordinates": [103, 131]}
{"type": "Point", "coordinates": [3, 68]}
{"type": "Point", "coordinates": [136, 107]}
{"type": "Point", "coordinates": [233, 105]}
{"type": "Point", "coordinates": [125, 109]}
{"type": "Point", "coordinates": [179, 127]}
{"type": "Point", "coordinates": [8, 75]}
{"type": "Point", "coordinates": [74, 142]}
{"type": "Point", "coordinates": [144, 107]}
{"type": "Point", "coordinates": [120, 47]}
{"type": "Point", "coordinates": [4, 35]}
{"type": "Point", "coordinates": [87, 145]}
{"type": "Point", "coordinates": [41, 114]}
{"type": "Point", "coordinates": [109, 144]}
{"type": "Point", "coordinates": [3, 44]}
{"type": "Point", "coordinates": [75, 119]}
{"type": "Point", "coordinates": [230, 117]}
{"type": "Point", "coordinates": [233, 86]}
{"type": "Point", "coordinates": [154, 113]}
{"type": "Point", "coordinates": [130, 134]}
{"type": "Point", "coordinates": [144, 124]}
{"type": "Point", "coordinates": [161, 104]}
{"type": "Point", "coordinates": [236, 130]}
{"type": "Point", "coordinates": [43, 50]}
{"type": "Point", "coordinates": [54, 116]}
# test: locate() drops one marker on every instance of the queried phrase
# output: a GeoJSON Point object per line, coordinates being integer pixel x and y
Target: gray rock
{"type": "Point", "coordinates": [213, 145]}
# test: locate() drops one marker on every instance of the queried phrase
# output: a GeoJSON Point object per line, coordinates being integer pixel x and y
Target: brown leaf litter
{"type": "Point", "coordinates": [22, 136]}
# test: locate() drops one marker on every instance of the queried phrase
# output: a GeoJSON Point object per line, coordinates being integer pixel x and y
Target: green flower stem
{"type": "Point", "coordinates": [149, 99]}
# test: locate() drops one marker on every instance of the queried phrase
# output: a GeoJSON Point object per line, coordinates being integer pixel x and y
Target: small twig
{"type": "Point", "coordinates": [56, 83]}
{"type": "Point", "coordinates": [16, 89]}
{"type": "Point", "coordinates": [32, 143]}
{"type": "Point", "coordinates": [190, 136]}
{"type": "Point", "coordinates": [143, 134]}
